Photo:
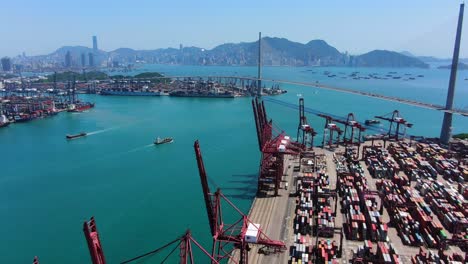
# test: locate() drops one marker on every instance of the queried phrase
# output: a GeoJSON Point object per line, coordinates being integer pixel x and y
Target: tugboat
{"type": "Point", "coordinates": [163, 141]}
{"type": "Point", "coordinates": [4, 121]}
{"type": "Point", "coordinates": [372, 122]}
{"type": "Point", "coordinates": [82, 134]}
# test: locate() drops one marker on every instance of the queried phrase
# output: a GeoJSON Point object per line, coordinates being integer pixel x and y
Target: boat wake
{"type": "Point", "coordinates": [101, 131]}
{"type": "Point", "coordinates": [140, 148]}
{"type": "Point", "coordinates": [116, 127]}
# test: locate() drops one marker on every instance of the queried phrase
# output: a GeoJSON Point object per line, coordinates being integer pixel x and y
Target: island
{"type": "Point", "coordinates": [461, 136]}
{"type": "Point", "coordinates": [461, 66]}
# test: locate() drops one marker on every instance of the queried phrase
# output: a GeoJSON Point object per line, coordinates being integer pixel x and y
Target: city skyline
{"type": "Point", "coordinates": [420, 27]}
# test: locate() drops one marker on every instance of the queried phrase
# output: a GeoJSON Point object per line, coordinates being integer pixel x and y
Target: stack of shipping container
{"type": "Point", "coordinates": [362, 212]}
{"type": "Point", "coordinates": [383, 253]}
{"type": "Point", "coordinates": [411, 209]}
{"type": "Point", "coordinates": [313, 211]}
{"type": "Point", "coordinates": [427, 257]}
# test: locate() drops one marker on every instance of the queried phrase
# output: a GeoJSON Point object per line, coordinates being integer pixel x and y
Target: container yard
{"type": "Point", "coordinates": [151, 84]}
{"type": "Point", "coordinates": [26, 104]}
{"type": "Point", "coordinates": [386, 200]}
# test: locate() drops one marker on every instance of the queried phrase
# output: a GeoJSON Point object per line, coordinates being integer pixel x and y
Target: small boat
{"type": "Point", "coordinates": [372, 122]}
{"type": "Point", "coordinates": [160, 141]}
{"type": "Point", "coordinates": [82, 134]}
{"type": "Point", "coordinates": [4, 121]}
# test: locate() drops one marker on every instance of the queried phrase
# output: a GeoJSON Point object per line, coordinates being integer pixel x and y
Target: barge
{"type": "Point", "coordinates": [372, 122]}
{"type": "Point", "coordinates": [82, 134]}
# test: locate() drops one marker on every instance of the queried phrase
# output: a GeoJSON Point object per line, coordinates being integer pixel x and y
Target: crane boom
{"type": "Point", "coordinates": [206, 188]}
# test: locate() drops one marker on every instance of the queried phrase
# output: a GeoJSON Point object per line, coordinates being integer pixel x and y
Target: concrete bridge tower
{"type": "Point", "coordinates": [259, 83]}
{"type": "Point", "coordinates": [445, 133]}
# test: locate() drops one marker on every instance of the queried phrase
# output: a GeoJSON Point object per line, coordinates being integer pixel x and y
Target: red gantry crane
{"type": "Point", "coordinates": [184, 244]}
{"type": "Point", "coordinates": [395, 118]}
{"type": "Point", "coordinates": [351, 128]}
{"type": "Point", "coordinates": [329, 131]}
{"type": "Point", "coordinates": [273, 149]}
{"type": "Point", "coordinates": [352, 134]}
{"type": "Point", "coordinates": [228, 237]}
{"type": "Point", "coordinates": [305, 133]}
{"type": "Point", "coordinates": [94, 243]}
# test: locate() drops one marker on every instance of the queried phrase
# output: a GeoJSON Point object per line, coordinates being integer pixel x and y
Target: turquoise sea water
{"type": "Point", "coordinates": [144, 196]}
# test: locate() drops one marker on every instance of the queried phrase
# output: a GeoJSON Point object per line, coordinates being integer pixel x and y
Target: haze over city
{"type": "Point", "coordinates": [420, 27]}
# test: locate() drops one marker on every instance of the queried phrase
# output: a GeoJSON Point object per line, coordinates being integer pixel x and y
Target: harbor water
{"type": "Point", "coordinates": [142, 195]}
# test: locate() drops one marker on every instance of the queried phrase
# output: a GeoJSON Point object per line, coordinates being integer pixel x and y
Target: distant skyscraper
{"type": "Point", "coordinates": [95, 48]}
{"type": "Point", "coordinates": [6, 64]}
{"type": "Point", "coordinates": [68, 59]}
{"type": "Point", "coordinates": [91, 59]}
{"type": "Point", "coordinates": [83, 60]}
{"type": "Point", "coordinates": [181, 54]}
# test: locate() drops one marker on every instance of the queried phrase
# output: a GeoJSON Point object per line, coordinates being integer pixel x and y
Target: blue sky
{"type": "Point", "coordinates": [358, 26]}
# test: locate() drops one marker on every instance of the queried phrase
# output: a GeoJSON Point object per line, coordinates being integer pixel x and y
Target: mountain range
{"type": "Point", "coordinates": [275, 52]}
{"type": "Point", "coordinates": [433, 61]}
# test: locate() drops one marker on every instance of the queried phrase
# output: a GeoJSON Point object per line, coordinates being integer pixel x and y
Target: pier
{"type": "Point", "coordinates": [273, 213]}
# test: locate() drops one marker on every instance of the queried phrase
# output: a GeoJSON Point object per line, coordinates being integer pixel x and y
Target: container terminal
{"type": "Point", "coordinates": [383, 198]}
{"type": "Point", "coordinates": [389, 198]}
{"type": "Point", "coordinates": [180, 86]}
{"type": "Point", "coordinates": [25, 104]}
{"type": "Point", "coordinates": [26, 100]}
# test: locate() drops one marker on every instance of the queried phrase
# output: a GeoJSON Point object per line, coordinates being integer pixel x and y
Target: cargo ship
{"type": "Point", "coordinates": [79, 107]}
{"type": "Point", "coordinates": [126, 92]}
{"type": "Point", "coordinates": [163, 141]}
{"type": "Point", "coordinates": [4, 121]}
{"type": "Point", "coordinates": [372, 122]}
{"type": "Point", "coordinates": [22, 118]}
{"type": "Point", "coordinates": [203, 94]}
{"type": "Point", "coordinates": [82, 134]}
